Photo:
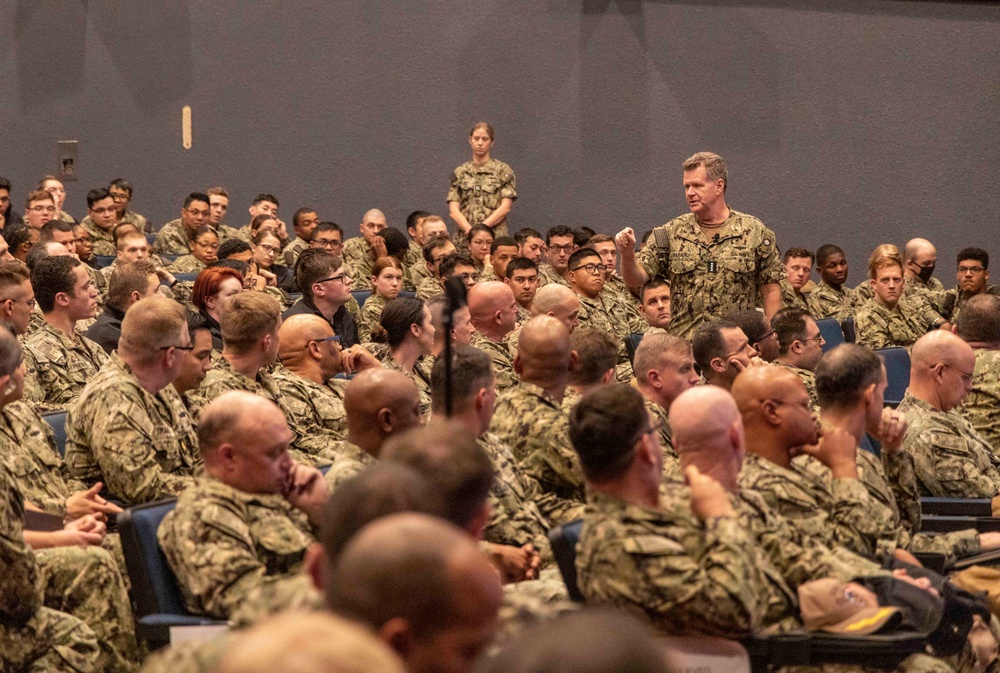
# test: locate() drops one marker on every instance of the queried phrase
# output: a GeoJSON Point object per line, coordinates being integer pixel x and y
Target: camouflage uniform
{"type": "Point", "coordinates": [350, 461]}
{"type": "Point", "coordinates": [102, 239]}
{"type": "Point", "coordinates": [479, 190]}
{"type": "Point", "coordinates": [312, 445]}
{"type": "Point", "coordinates": [595, 314]}
{"type": "Point", "coordinates": [671, 461]}
{"type": "Point", "coordinates": [293, 250]}
{"type": "Point", "coordinates": [878, 327]}
{"type": "Point", "coordinates": [225, 233]}
{"type": "Point", "coordinates": [311, 404]}
{"type": "Point", "coordinates": [808, 379]}
{"type": "Point", "coordinates": [418, 270]}
{"type": "Point", "coordinates": [137, 220]}
{"type": "Point", "coordinates": [186, 264]}
{"type": "Point", "coordinates": [234, 551]}
{"type": "Point", "coordinates": [371, 314]}
{"type": "Point", "coordinates": [617, 294]}
{"type": "Point", "coordinates": [359, 257]}
{"type": "Point", "coordinates": [534, 426]}
{"type": "Point", "coordinates": [28, 444]}
{"type": "Point", "coordinates": [523, 316]}
{"type": "Point", "coordinates": [980, 406]}
{"type": "Point", "coordinates": [863, 292]}
{"type": "Point", "coordinates": [429, 287]}
{"type": "Point", "coordinates": [826, 302]}
{"type": "Point", "coordinates": [835, 511]}
{"type": "Point", "coordinates": [883, 506]}
{"type": "Point", "coordinates": [961, 296]}
{"type": "Point", "coordinates": [929, 295]}
{"type": "Point", "coordinates": [950, 459]}
{"type": "Point", "coordinates": [65, 217]}
{"type": "Point", "coordinates": [789, 297]}
{"type": "Point", "coordinates": [64, 364]}
{"type": "Point", "coordinates": [142, 446]}
{"type": "Point", "coordinates": [546, 275]}
{"type": "Point", "coordinates": [421, 379]}
{"type": "Point", "coordinates": [503, 363]}
{"type": "Point", "coordinates": [172, 239]}
{"type": "Point", "coordinates": [514, 515]}
{"type": "Point", "coordinates": [684, 576]}
{"type": "Point", "coordinates": [35, 638]}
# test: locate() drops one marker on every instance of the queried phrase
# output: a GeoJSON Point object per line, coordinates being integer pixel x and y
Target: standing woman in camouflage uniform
{"type": "Point", "coordinates": [482, 190]}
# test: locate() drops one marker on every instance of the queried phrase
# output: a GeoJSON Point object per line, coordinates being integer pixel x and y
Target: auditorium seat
{"type": "Point", "coordinates": [897, 369]}
{"type": "Point", "coordinates": [103, 261]}
{"type": "Point", "coordinates": [57, 419]}
{"type": "Point", "coordinates": [361, 296]}
{"type": "Point", "coordinates": [833, 334]}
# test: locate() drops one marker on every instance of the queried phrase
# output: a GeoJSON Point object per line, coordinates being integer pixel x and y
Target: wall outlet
{"type": "Point", "coordinates": [68, 152]}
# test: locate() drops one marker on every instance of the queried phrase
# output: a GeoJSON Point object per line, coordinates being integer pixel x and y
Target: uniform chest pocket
{"type": "Point", "coordinates": [23, 467]}
{"type": "Point", "coordinates": [168, 446]}
{"type": "Point", "coordinates": [682, 264]}
{"type": "Point", "coordinates": [489, 184]}
{"type": "Point", "coordinates": [80, 371]}
{"type": "Point", "coordinates": [739, 264]}
{"type": "Point", "coordinates": [280, 543]}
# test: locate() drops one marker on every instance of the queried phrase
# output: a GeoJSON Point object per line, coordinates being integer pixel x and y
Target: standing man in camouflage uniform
{"type": "Point", "coordinates": [175, 237]}
{"type": "Point", "coordinates": [130, 429]}
{"type": "Point", "coordinates": [716, 259]}
{"type": "Point", "coordinates": [63, 359]}
{"type": "Point", "coordinates": [529, 417]}
{"type": "Point", "coordinates": [832, 298]}
{"type": "Point", "coordinates": [951, 459]}
{"type": "Point", "coordinates": [237, 539]}
{"type": "Point", "coordinates": [800, 346]}
{"type": "Point", "coordinates": [664, 368]}
{"type": "Point", "coordinates": [360, 252]}
{"type": "Point", "coordinates": [979, 326]}
{"type": "Point", "coordinates": [493, 312]}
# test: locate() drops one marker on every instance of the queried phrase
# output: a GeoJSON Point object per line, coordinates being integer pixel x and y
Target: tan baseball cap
{"type": "Point", "coordinates": [837, 607]}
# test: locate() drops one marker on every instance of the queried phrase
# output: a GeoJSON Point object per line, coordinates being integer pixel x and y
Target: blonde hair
{"type": "Point", "coordinates": [149, 325]}
{"type": "Point", "coordinates": [246, 318]}
{"type": "Point", "coordinates": [884, 255]}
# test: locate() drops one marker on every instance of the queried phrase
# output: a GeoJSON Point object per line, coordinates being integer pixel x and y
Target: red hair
{"type": "Point", "coordinates": [209, 281]}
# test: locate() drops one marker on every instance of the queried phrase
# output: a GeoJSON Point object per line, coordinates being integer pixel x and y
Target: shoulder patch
{"type": "Point", "coordinates": [652, 545]}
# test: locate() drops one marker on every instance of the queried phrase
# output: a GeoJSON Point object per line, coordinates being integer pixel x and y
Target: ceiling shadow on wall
{"type": "Point", "coordinates": [614, 91]}
{"type": "Point", "coordinates": [150, 46]}
{"type": "Point", "coordinates": [50, 46]}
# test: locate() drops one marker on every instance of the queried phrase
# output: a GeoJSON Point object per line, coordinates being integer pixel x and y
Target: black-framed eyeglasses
{"type": "Point", "coordinates": [764, 338]}
{"type": "Point", "coordinates": [962, 270]}
{"type": "Point", "coordinates": [592, 269]}
{"type": "Point", "coordinates": [341, 277]}
{"type": "Point", "coordinates": [818, 337]}
{"type": "Point", "coordinates": [180, 348]}
{"type": "Point", "coordinates": [335, 338]}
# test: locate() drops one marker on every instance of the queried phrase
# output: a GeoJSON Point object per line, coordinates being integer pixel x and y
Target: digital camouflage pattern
{"type": "Point", "coordinates": [172, 239]}
{"type": "Point", "coordinates": [351, 460]}
{"type": "Point", "coordinates": [312, 404]}
{"type": "Point", "coordinates": [808, 379]}
{"type": "Point", "coordinates": [418, 269]}
{"type": "Point", "coordinates": [429, 287]}
{"type": "Point", "coordinates": [311, 445]}
{"type": "Point", "coordinates": [546, 275]}
{"type": "Point", "coordinates": [102, 239]}
{"type": "Point", "coordinates": [359, 257]}
{"type": "Point", "coordinates": [534, 426]}
{"type": "Point", "coordinates": [479, 190]}
{"type": "Point", "coordinates": [142, 446]}
{"type": "Point", "coordinates": [658, 416]}
{"type": "Point", "coordinates": [234, 551]}
{"type": "Point", "coordinates": [928, 296]}
{"type": "Point", "coordinates": [960, 297]}
{"type": "Point", "coordinates": [826, 302]}
{"type": "Point", "coordinates": [791, 298]}
{"type": "Point", "coordinates": [63, 365]}
{"type": "Point", "coordinates": [981, 405]}
{"type": "Point", "coordinates": [834, 511]}
{"type": "Point", "coordinates": [420, 377]}
{"type": "Point", "coordinates": [711, 278]}
{"type": "Point", "coordinates": [878, 327]}
{"type": "Point", "coordinates": [950, 459]}
{"type": "Point", "coordinates": [291, 253]}
{"type": "Point", "coordinates": [28, 444]}
{"type": "Point", "coordinates": [500, 357]}
{"type": "Point", "coordinates": [371, 314]}
{"type": "Point", "coordinates": [617, 295]}
{"type": "Point", "coordinates": [684, 576]}
{"type": "Point", "coordinates": [595, 314]}
{"type": "Point", "coordinates": [34, 637]}
{"type": "Point", "coordinates": [186, 264]}
{"type": "Point", "coordinates": [134, 218]}
{"type": "Point", "coordinates": [514, 515]}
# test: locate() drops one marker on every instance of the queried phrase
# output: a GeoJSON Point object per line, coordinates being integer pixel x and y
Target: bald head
{"type": "Point", "coordinates": [708, 433]}
{"type": "Point", "coordinates": [558, 301]}
{"type": "Point", "coordinates": [423, 575]}
{"type": "Point", "coordinates": [378, 403]}
{"type": "Point", "coordinates": [373, 215]}
{"type": "Point", "coordinates": [492, 308]}
{"type": "Point", "coordinates": [755, 385]}
{"type": "Point", "coordinates": [232, 416]}
{"type": "Point", "coordinates": [918, 247]}
{"type": "Point", "coordinates": [297, 331]}
{"type": "Point", "coordinates": [543, 350]}
{"type": "Point", "coordinates": [776, 411]}
{"type": "Point", "coordinates": [941, 369]}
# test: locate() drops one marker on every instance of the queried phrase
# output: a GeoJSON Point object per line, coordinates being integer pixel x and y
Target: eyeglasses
{"type": "Point", "coordinates": [320, 243]}
{"type": "Point", "coordinates": [269, 249]}
{"type": "Point", "coordinates": [467, 276]}
{"type": "Point", "coordinates": [764, 338]}
{"type": "Point", "coordinates": [335, 338]}
{"type": "Point", "coordinates": [562, 248]}
{"type": "Point", "coordinates": [43, 209]}
{"type": "Point", "coordinates": [592, 269]}
{"type": "Point", "coordinates": [342, 277]}
{"type": "Point", "coordinates": [120, 197]}
{"type": "Point", "coordinates": [103, 211]}
{"type": "Point", "coordinates": [962, 270]}
{"type": "Point", "coordinates": [180, 348]}
{"type": "Point", "coordinates": [966, 376]}
{"type": "Point", "coordinates": [207, 246]}
{"type": "Point", "coordinates": [818, 337]}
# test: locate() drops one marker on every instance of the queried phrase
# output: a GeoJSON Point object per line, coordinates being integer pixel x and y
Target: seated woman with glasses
{"type": "Point", "coordinates": [480, 241]}
{"type": "Point", "coordinates": [204, 251]}
{"type": "Point", "coordinates": [387, 279]}
{"type": "Point", "coordinates": [405, 326]}
{"type": "Point", "coordinates": [266, 246]}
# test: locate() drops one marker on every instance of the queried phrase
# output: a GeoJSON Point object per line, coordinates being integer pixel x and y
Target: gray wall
{"type": "Point", "coordinates": [857, 122]}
